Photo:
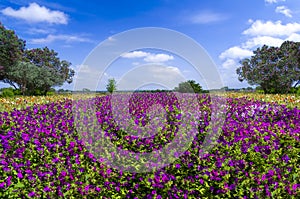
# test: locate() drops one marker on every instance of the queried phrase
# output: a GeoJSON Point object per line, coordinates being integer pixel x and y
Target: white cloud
{"type": "Point", "coordinates": [294, 37]}
{"type": "Point", "coordinates": [35, 13]}
{"type": "Point", "coordinates": [269, 28]}
{"type": "Point", "coordinates": [52, 38]}
{"type": "Point", "coordinates": [261, 40]}
{"type": "Point", "coordinates": [34, 31]}
{"type": "Point", "coordinates": [284, 10]}
{"type": "Point", "coordinates": [229, 64]}
{"type": "Point", "coordinates": [148, 57]}
{"type": "Point", "coordinates": [236, 53]}
{"type": "Point", "coordinates": [273, 1]}
{"type": "Point", "coordinates": [111, 39]}
{"type": "Point", "coordinates": [207, 17]}
{"type": "Point", "coordinates": [155, 74]}
{"type": "Point", "coordinates": [135, 54]}
{"type": "Point", "coordinates": [158, 58]}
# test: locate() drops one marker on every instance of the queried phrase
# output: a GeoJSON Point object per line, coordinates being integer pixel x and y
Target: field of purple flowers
{"type": "Point", "coordinates": [52, 151]}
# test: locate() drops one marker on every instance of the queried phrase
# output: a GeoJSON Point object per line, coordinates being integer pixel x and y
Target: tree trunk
{"type": "Point", "coordinates": [297, 84]}
{"type": "Point", "coordinates": [10, 83]}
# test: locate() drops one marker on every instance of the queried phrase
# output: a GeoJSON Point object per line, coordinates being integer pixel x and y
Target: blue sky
{"type": "Point", "coordinates": [229, 30]}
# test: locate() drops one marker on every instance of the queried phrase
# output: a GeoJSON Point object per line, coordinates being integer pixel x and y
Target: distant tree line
{"type": "Point", "coordinates": [31, 71]}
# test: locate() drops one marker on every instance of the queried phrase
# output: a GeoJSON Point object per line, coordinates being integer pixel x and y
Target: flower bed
{"type": "Point", "coordinates": [44, 150]}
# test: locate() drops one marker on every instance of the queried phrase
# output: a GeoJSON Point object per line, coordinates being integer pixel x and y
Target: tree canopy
{"type": "Point", "coordinates": [30, 69]}
{"type": "Point", "coordinates": [11, 50]}
{"type": "Point", "coordinates": [275, 69]}
{"type": "Point", "coordinates": [55, 71]}
{"type": "Point", "coordinates": [111, 86]}
{"type": "Point", "coordinates": [189, 86]}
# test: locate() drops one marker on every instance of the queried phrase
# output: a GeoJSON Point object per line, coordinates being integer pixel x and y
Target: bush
{"type": "Point", "coordinates": [17, 92]}
{"type": "Point", "coordinates": [260, 91]}
{"type": "Point", "coordinates": [50, 93]}
{"type": "Point", "coordinates": [298, 91]}
{"type": "Point", "coordinates": [7, 92]}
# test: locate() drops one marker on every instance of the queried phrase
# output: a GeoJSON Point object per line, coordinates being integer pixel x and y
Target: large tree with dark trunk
{"type": "Point", "coordinates": [275, 69]}
{"type": "Point", "coordinates": [30, 69]}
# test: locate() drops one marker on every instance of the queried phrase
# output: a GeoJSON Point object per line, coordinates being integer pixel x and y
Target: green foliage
{"type": "Point", "coordinates": [50, 93]}
{"type": "Point", "coordinates": [11, 50]}
{"type": "Point", "coordinates": [24, 74]}
{"type": "Point", "coordinates": [275, 69]}
{"type": "Point", "coordinates": [7, 92]}
{"type": "Point", "coordinates": [189, 86]}
{"type": "Point", "coordinates": [30, 69]}
{"type": "Point", "coordinates": [111, 86]}
{"type": "Point", "coordinates": [298, 91]}
{"type": "Point", "coordinates": [52, 70]}
{"type": "Point", "coordinates": [17, 92]}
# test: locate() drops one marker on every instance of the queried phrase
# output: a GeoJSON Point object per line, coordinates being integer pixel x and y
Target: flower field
{"type": "Point", "coordinates": [58, 147]}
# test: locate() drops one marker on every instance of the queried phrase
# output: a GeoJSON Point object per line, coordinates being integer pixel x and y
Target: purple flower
{"type": "Point", "coordinates": [294, 187]}
{"type": "Point", "coordinates": [86, 188]}
{"type": "Point", "coordinates": [72, 144]}
{"type": "Point", "coordinates": [2, 184]}
{"type": "Point", "coordinates": [63, 173]}
{"type": "Point", "coordinates": [47, 189]}
{"type": "Point", "coordinates": [177, 166]}
{"type": "Point", "coordinates": [201, 181]}
{"type": "Point", "coordinates": [256, 148]}
{"type": "Point", "coordinates": [8, 182]}
{"type": "Point", "coordinates": [25, 137]}
{"type": "Point", "coordinates": [31, 194]}
{"type": "Point", "coordinates": [20, 175]}
{"type": "Point", "coordinates": [232, 187]}
{"type": "Point", "coordinates": [286, 158]}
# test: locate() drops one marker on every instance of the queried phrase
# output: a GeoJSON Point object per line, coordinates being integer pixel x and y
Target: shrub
{"type": "Point", "coordinates": [50, 93]}
{"type": "Point", "coordinates": [298, 91]}
{"type": "Point", "coordinates": [7, 92]}
{"type": "Point", "coordinates": [17, 92]}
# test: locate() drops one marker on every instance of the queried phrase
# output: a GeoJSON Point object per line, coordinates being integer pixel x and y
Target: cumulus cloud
{"type": "Point", "coordinates": [261, 40]}
{"type": "Point", "coordinates": [39, 31]}
{"type": "Point", "coordinates": [270, 28]}
{"type": "Point", "coordinates": [85, 77]}
{"type": "Point", "coordinates": [35, 13]}
{"type": "Point", "coordinates": [294, 37]}
{"type": "Point", "coordinates": [207, 17]}
{"type": "Point", "coordinates": [148, 57]}
{"type": "Point", "coordinates": [158, 58]}
{"type": "Point", "coordinates": [155, 74]}
{"type": "Point", "coordinates": [229, 63]}
{"type": "Point", "coordinates": [235, 53]}
{"type": "Point", "coordinates": [284, 10]}
{"type": "Point", "coordinates": [273, 1]}
{"type": "Point", "coordinates": [135, 54]}
{"type": "Point", "coordinates": [52, 38]}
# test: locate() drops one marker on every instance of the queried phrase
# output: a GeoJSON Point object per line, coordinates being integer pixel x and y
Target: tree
{"type": "Point", "coordinates": [23, 74]}
{"type": "Point", "coordinates": [53, 71]}
{"type": "Point", "coordinates": [189, 86]}
{"type": "Point", "coordinates": [274, 69]}
{"type": "Point", "coordinates": [11, 50]}
{"type": "Point", "coordinates": [111, 86]}
{"type": "Point", "coordinates": [34, 69]}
